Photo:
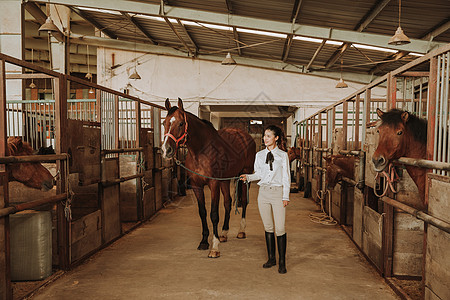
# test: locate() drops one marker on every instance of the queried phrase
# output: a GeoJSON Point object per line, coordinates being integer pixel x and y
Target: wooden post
{"type": "Point", "coordinates": [388, 239]}
{"type": "Point", "coordinates": [345, 122]}
{"type": "Point", "coordinates": [60, 147]}
{"type": "Point", "coordinates": [392, 92]}
{"type": "Point", "coordinates": [5, 275]}
{"type": "Point", "coordinates": [357, 119]}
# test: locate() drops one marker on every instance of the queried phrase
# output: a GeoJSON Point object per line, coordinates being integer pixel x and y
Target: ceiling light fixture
{"type": "Point", "coordinates": [399, 38]}
{"type": "Point", "coordinates": [341, 84]}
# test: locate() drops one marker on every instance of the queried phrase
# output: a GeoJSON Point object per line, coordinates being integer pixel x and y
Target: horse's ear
{"type": "Point", "coordinates": [380, 113]}
{"type": "Point", "coordinates": [180, 104]}
{"type": "Point", "coordinates": [168, 106]}
{"type": "Point", "coordinates": [405, 117]}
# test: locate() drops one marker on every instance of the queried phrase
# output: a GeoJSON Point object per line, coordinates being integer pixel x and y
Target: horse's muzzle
{"type": "Point", "coordinates": [379, 163]}
{"type": "Point", "coordinates": [48, 185]}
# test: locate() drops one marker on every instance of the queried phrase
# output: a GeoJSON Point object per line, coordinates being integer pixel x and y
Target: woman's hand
{"type": "Point", "coordinates": [285, 203]}
{"type": "Point", "coordinates": [243, 177]}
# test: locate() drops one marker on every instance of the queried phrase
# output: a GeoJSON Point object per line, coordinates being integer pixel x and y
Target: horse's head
{"type": "Point", "coordinates": [392, 142]}
{"type": "Point", "coordinates": [293, 153]}
{"type": "Point", "coordinates": [33, 175]}
{"type": "Point", "coordinates": [333, 174]}
{"type": "Point", "coordinates": [175, 129]}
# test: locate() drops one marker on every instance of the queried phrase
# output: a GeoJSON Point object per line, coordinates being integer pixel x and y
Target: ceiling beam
{"type": "Point", "coordinates": [139, 26]}
{"type": "Point", "coordinates": [243, 61]}
{"type": "Point", "coordinates": [236, 39]}
{"type": "Point", "coordinates": [85, 16]}
{"type": "Point", "coordinates": [224, 19]}
{"type": "Point", "coordinates": [178, 35]}
{"type": "Point", "coordinates": [189, 36]}
{"type": "Point", "coordinates": [288, 41]}
{"type": "Point", "coordinates": [41, 17]}
{"type": "Point", "coordinates": [445, 25]}
{"type": "Point", "coordinates": [363, 23]}
{"type": "Point", "coordinates": [315, 55]}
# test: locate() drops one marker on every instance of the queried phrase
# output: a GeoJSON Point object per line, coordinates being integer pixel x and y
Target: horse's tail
{"type": "Point", "coordinates": [239, 193]}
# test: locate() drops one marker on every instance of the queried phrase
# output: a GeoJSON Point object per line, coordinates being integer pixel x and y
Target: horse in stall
{"type": "Point", "coordinates": [339, 166]}
{"type": "Point", "coordinates": [294, 153]}
{"type": "Point", "coordinates": [402, 134]}
{"type": "Point", "coordinates": [31, 174]}
{"type": "Point", "coordinates": [216, 154]}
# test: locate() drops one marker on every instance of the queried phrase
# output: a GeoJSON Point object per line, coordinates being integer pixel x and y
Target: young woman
{"type": "Point", "coordinates": [273, 172]}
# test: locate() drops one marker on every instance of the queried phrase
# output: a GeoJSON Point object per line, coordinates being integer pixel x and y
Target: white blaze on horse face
{"type": "Point", "coordinates": [163, 147]}
{"type": "Point", "coordinates": [243, 225]}
{"type": "Point", "coordinates": [215, 243]}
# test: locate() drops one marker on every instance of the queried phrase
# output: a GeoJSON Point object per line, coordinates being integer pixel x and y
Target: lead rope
{"type": "Point", "coordinates": [322, 217]}
{"type": "Point", "coordinates": [236, 193]}
{"type": "Point", "coordinates": [390, 177]}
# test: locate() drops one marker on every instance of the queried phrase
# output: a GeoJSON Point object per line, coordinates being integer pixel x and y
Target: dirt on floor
{"type": "Point", "coordinates": [413, 288]}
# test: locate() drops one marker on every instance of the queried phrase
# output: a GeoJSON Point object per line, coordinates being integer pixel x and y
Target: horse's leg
{"type": "Point", "coordinates": [215, 199]}
{"type": "Point", "coordinates": [241, 233]}
{"type": "Point", "coordinates": [225, 188]}
{"type": "Point", "coordinates": [199, 194]}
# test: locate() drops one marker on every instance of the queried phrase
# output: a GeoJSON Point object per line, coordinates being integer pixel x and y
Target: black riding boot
{"type": "Point", "coordinates": [281, 241]}
{"type": "Point", "coordinates": [270, 243]}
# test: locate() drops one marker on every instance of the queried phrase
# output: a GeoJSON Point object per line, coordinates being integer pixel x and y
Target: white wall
{"type": "Point", "coordinates": [203, 82]}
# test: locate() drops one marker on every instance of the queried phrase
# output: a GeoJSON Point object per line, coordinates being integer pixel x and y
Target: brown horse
{"type": "Point", "coordinates": [294, 153]}
{"type": "Point", "coordinates": [33, 175]}
{"type": "Point", "coordinates": [402, 134]}
{"type": "Point", "coordinates": [219, 154]}
{"type": "Point", "coordinates": [339, 166]}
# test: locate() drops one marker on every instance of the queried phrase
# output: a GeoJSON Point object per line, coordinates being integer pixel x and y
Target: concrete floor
{"type": "Point", "coordinates": [160, 260]}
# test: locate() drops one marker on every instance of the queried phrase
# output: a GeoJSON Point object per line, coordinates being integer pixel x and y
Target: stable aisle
{"type": "Point", "coordinates": [160, 260]}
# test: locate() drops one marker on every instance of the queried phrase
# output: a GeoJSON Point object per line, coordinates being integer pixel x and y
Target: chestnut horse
{"type": "Point", "coordinates": [225, 153]}
{"type": "Point", "coordinates": [294, 153]}
{"type": "Point", "coordinates": [402, 134]}
{"type": "Point", "coordinates": [339, 166]}
{"type": "Point", "coordinates": [31, 174]}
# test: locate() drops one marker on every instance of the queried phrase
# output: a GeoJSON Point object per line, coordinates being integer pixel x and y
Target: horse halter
{"type": "Point", "coordinates": [184, 136]}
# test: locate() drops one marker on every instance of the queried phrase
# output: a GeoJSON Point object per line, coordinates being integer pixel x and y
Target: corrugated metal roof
{"type": "Point", "coordinates": [418, 19]}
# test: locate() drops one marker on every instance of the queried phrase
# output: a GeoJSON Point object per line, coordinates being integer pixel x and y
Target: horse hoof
{"type": "Point", "coordinates": [203, 246]}
{"type": "Point", "coordinates": [241, 235]}
{"type": "Point", "coordinates": [214, 254]}
{"type": "Point", "coordinates": [223, 239]}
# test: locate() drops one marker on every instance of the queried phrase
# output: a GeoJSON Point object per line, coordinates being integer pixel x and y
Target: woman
{"type": "Point", "coordinates": [273, 172]}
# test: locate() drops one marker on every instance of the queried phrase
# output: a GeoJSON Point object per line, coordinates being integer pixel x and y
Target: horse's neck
{"type": "Point", "coordinates": [415, 149]}
{"type": "Point", "coordinates": [199, 135]}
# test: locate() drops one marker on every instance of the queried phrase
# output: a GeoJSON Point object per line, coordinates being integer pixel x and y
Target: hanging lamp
{"type": "Point", "coordinates": [399, 38]}
{"type": "Point", "coordinates": [228, 60]}
{"type": "Point", "coordinates": [341, 84]}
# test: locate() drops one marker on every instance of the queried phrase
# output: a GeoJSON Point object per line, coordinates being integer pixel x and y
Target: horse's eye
{"type": "Point", "coordinates": [400, 132]}
{"type": "Point", "coordinates": [181, 124]}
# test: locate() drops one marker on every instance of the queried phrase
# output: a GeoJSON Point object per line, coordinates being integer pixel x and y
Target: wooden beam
{"type": "Point", "coordinates": [5, 276]}
{"type": "Point", "coordinates": [236, 37]}
{"type": "Point", "coordinates": [140, 27]}
{"type": "Point", "coordinates": [289, 38]}
{"type": "Point", "coordinates": [41, 17]}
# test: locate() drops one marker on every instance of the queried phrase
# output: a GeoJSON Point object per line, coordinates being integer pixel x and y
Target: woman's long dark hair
{"type": "Point", "coordinates": [277, 131]}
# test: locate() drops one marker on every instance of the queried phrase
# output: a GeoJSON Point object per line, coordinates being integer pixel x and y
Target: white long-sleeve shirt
{"type": "Point", "coordinates": [281, 174]}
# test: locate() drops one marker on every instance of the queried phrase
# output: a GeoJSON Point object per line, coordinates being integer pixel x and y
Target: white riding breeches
{"type": "Point", "coordinates": [270, 201]}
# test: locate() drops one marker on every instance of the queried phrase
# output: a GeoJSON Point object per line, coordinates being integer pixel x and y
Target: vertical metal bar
{"type": "Point", "coordinates": [420, 97]}
{"type": "Point", "coordinates": [413, 109]}
{"type": "Point", "coordinates": [319, 130]}
{"type": "Point", "coordinates": [345, 122]}
{"type": "Point", "coordinates": [405, 85]}
{"type": "Point", "coordinates": [435, 129]}
{"type": "Point", "coordinates": [441, 108]}
{"type": "Point", "coordinates": [116, 121]}
{"type": "Point", "coordinates": [445, 102]}
{"type": "Point", "coordinates": [357, 119]}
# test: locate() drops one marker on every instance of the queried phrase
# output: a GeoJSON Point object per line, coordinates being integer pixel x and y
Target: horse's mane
{"type": "Point", "coordinates": [417, 126]}
{"type": "Point", "coordinates": [174, 108]}
{"type": "Point", "coordinates": [15, 144]}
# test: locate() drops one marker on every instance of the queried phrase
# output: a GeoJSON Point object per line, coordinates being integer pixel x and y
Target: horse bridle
{"type": "Point", "coordinates": [184, 136]}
